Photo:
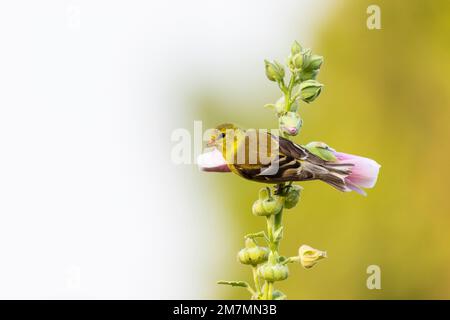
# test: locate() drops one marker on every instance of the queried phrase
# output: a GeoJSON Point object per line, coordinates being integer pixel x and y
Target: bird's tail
{"type": "Point", "coordinates": [335, 174]}
{"type": "Point", "coordinates": [351, 173]}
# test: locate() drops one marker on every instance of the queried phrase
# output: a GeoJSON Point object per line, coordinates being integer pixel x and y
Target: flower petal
{"type": "Point", "coordinates": [212, 161]}
{"type": "Point", "coordinates": [364, 171]}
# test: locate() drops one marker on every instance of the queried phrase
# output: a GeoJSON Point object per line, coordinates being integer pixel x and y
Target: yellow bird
{"type": "Point", "coordinates": [260, 156]}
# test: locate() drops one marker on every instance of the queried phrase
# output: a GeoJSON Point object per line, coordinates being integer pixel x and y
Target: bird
{"type": "Point", "coordinates": [261, 156]}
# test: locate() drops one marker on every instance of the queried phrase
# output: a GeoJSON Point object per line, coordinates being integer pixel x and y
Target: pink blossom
{"type": "Point", "coordinates": [212, 161]}
{"type": "Point", "coordinates": [364, 172]}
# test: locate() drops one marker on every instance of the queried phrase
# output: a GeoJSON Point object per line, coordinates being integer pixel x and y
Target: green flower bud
{"type": "Point", "coordinates": [274, 71]}
{"type": "Point", "coordinates": [273, 205]}
{"type": "Point", "coordinates": [315, 62]}
{"type": "Point", "coordinates": [267, 204]}
{"type": "Point", "coordinates": [310, 90]}
{"type": "Point", "coordinates": [308, 75]}
{"type": "Point", "coordinates": [292, 197]}
{"type": "Point", "coordinates": [272, 270]}
{"type": "Point", "coordinates": [278, 295]}
{"type": "Point", "coordinates": [296, 48]}
{"type": "Point", "coordinates": [306, 53]}
{"type": "Point", "coordinates": [310, 256]}
{"type": "Point", "coordinates": [257, 209]}
{"type": "Point", "coordinates": [290, 123]}
{"type": "Point", "coordinates": [297, 60]}
{"type": "Point", "coordinates": [253, 254]}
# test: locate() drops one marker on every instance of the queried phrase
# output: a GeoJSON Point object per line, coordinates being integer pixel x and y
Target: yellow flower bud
{"type": "Point", "coordinates": [310, 256]}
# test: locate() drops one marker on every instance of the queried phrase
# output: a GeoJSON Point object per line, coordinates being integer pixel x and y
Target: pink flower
{"type": "Point", "coordinates": [212, 161]}
{"type": "Point", "coordinates": [364, 172]}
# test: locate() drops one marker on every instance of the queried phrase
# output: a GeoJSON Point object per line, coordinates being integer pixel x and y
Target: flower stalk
{"type": "Point", "coordinates": [268, 265]}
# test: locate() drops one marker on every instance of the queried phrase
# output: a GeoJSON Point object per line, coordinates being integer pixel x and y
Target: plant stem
{"type": "Point", "coordinates": [270, 291]}
{"type": "Point", "coordinates": [287, 93]}
{"type": "Point", "coordinates": [256, 281]}
{"type": "Point", "coordinates": [270, 228]}
{"type": "Point", "coordinates": [266, 291]}
{"type": "Point", "coordinates": [277, 224]}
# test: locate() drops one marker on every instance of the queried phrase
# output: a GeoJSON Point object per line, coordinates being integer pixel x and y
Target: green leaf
{"type": "Point", "coordinates": [242, 284]}
{"type": "Point", "coordinates": [260, 234]}
{"type": "Point", "coordinates": [270, 106]}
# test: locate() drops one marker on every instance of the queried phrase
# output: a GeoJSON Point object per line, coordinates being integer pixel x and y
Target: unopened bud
{"type": "Point", "coordinates": [272, 270]}
{"type": "Point", "coordinates": [296, 48]}
{"type": "Point", "coordinates": [267, 204]}
{"type": "Point", "coordinates": [278, 295]}
{"type": "Point", "coordinates": [290, 123]}
{"type": "Point", "coordinates": [310, 90]}
{"type": "Point", "coordinates": [298, 60]}
{"type": "Point", "coordinates": [292, 197]}
{"type": "Point", "coordinates": [308, 75]}
{"type": "Point", "coordinates": [252, 254]}
{"type": "Point", "coordinates": [315, 62]}
{"type": "Point", "coordinates": [274, 71]}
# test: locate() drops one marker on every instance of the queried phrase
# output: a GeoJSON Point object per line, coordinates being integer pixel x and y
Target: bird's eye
{"type": "Point", "coordinates": [221, 135]}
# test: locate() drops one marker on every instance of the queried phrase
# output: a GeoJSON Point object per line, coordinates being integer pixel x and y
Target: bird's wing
{"type": "Point", "coordinates": [289, 162]}
{"type": "Point", "coordinates": [296, 151]}
{"type": "Point", "coordinates": [270, 158]}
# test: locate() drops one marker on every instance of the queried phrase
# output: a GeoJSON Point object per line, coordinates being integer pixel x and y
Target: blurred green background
{"type": "Point", "coordinates": [386, 97]}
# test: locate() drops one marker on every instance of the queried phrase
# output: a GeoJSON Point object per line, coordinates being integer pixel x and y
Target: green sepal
{"type": "Point", "coordinates": [321, 150]}
{"type": "Point", "coordinates": [296, 48]}
{"type": "Point", "coordinates": [278, 234]}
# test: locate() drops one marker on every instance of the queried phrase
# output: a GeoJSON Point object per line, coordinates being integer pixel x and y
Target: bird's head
{"type": "Point", "coordinates": [221, 133]}
{"type": "Point", "coordinates": [226, 138]}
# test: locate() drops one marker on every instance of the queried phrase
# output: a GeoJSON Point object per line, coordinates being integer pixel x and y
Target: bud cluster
{"type": "Point", "coordinates": [303, 86]}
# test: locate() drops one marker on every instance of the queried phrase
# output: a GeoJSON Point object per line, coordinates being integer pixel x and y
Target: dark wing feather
{"type": "Point", "coordinates": [296, 163]}
{"type": "Point", "coordinates": [291, 149]}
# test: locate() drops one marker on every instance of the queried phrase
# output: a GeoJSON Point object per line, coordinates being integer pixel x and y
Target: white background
{"type": "Point", "coordinates": [90, 204]}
